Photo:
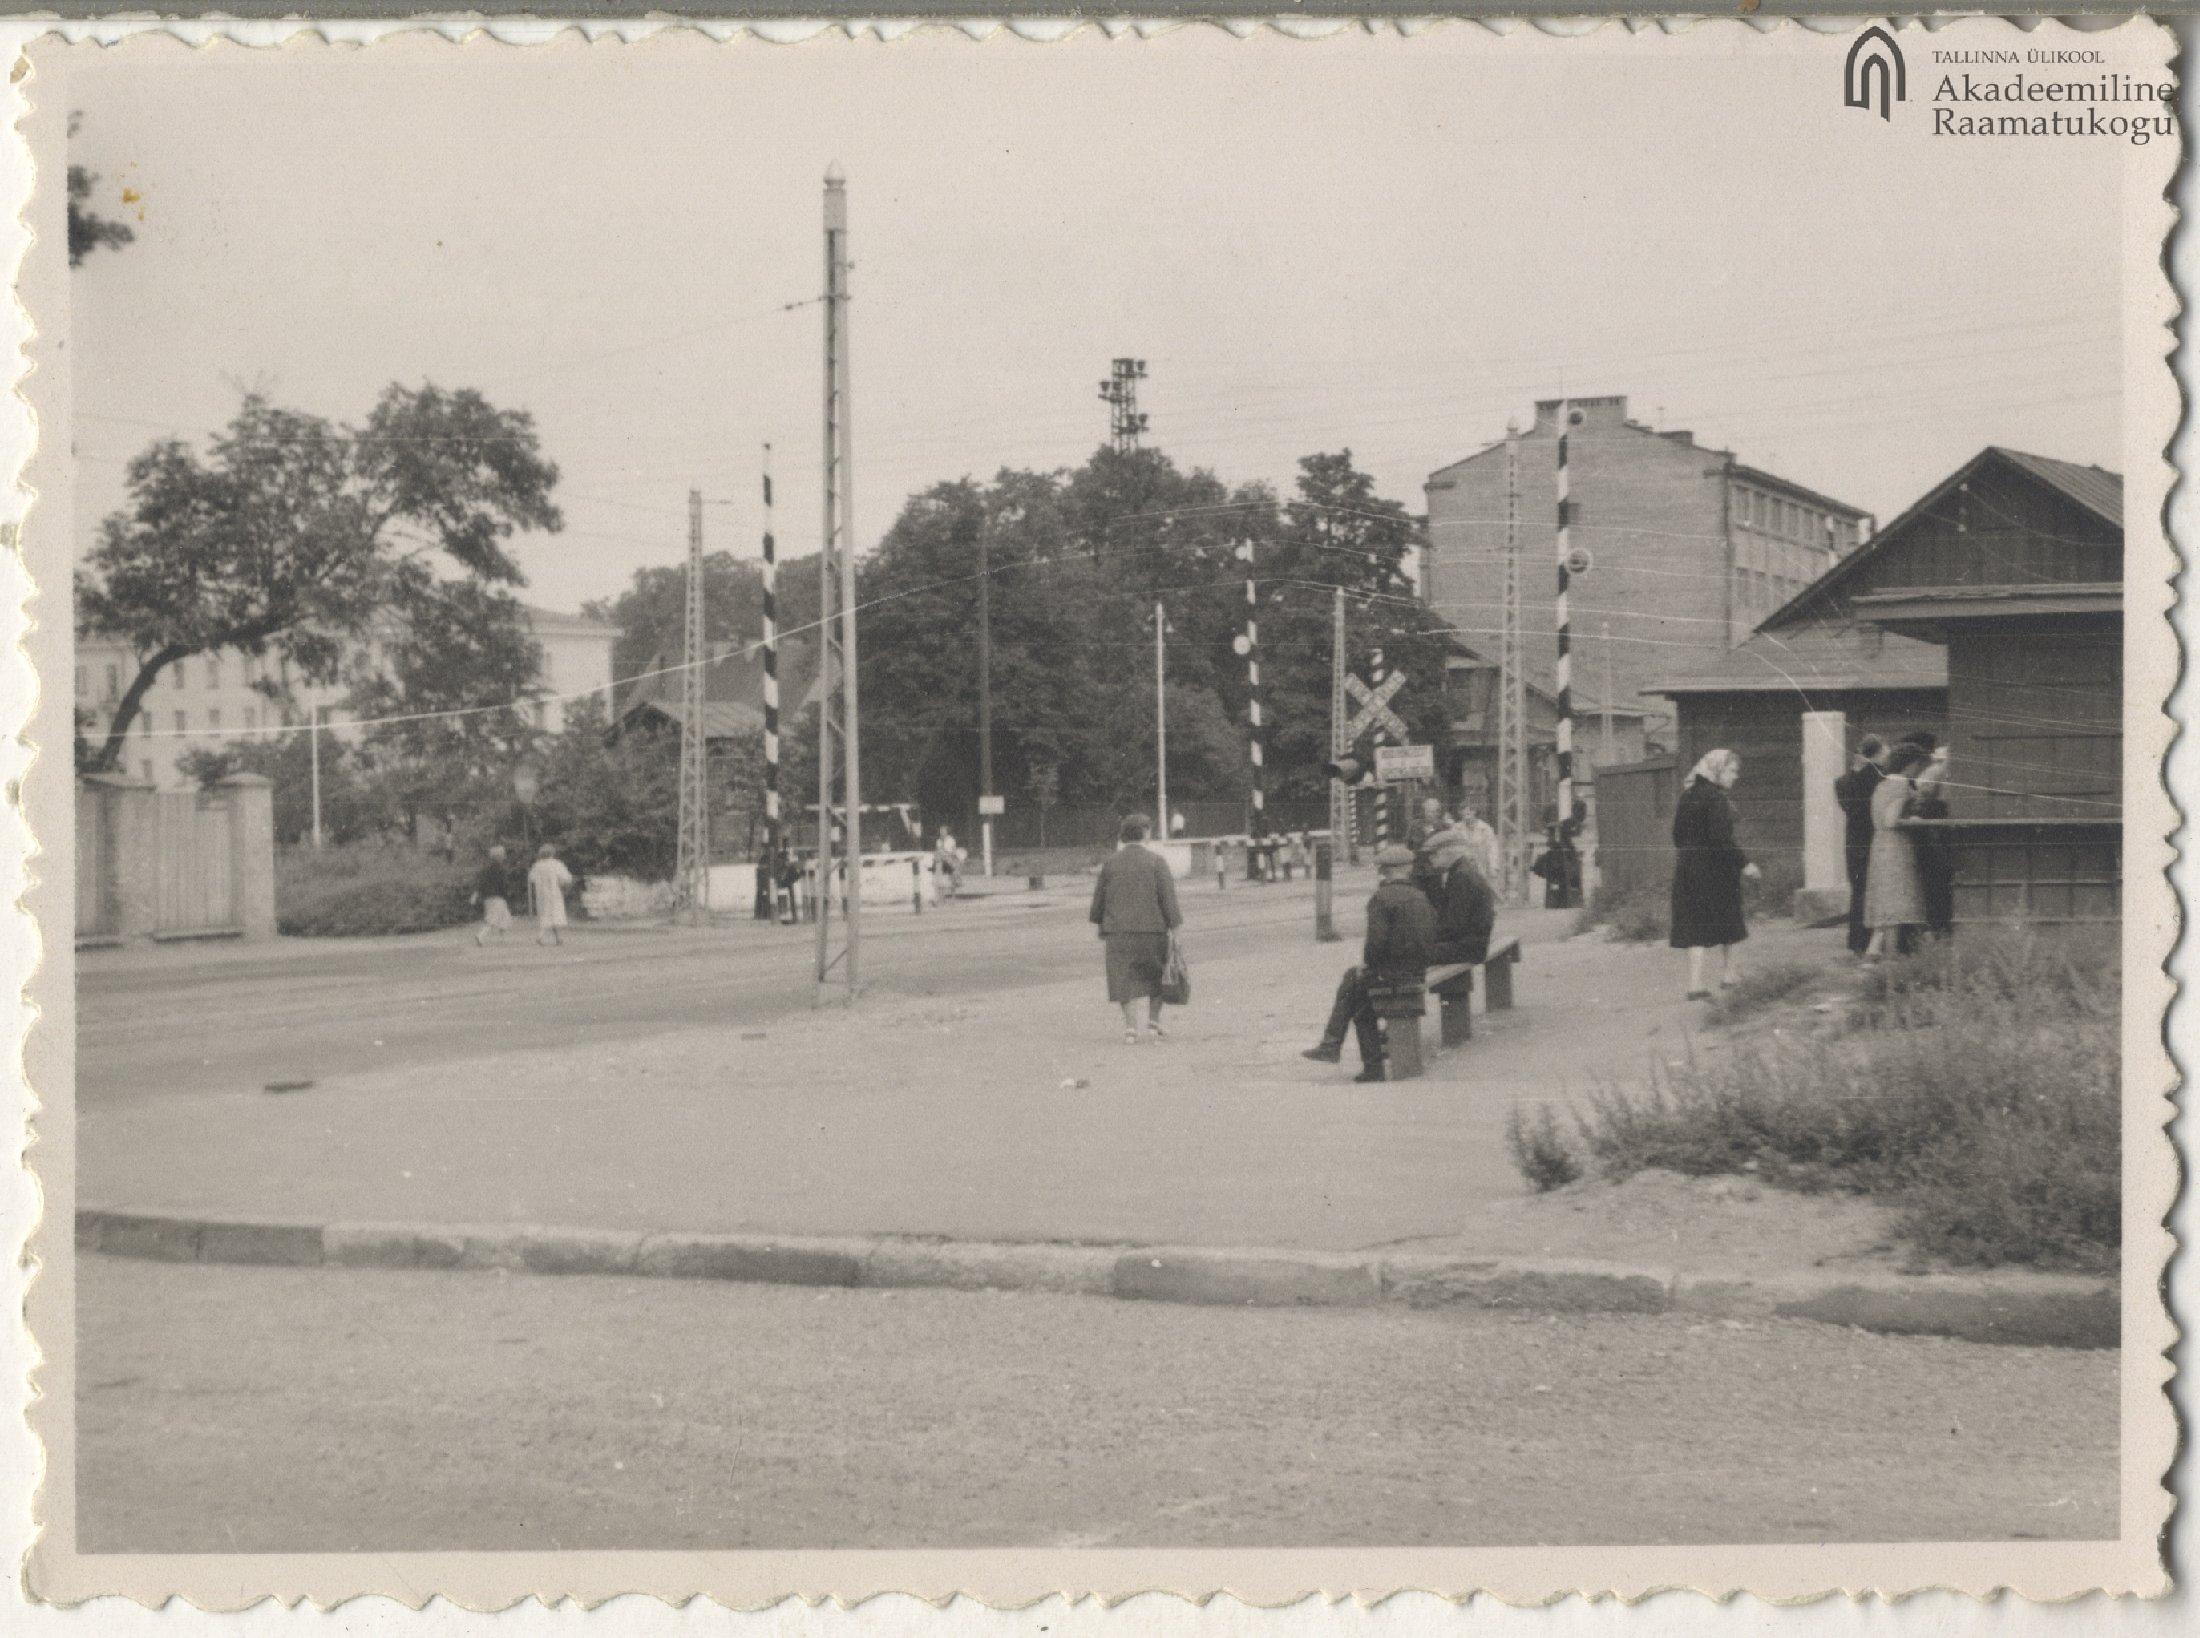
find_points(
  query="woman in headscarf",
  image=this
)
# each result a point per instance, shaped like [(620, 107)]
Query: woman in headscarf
[(1894, 889), (1708, 869)]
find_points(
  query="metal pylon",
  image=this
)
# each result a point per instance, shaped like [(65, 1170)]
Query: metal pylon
[(839, 857), (691, 874), (1512, 697)]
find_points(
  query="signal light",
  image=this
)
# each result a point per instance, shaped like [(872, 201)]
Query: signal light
[(1349, 768)]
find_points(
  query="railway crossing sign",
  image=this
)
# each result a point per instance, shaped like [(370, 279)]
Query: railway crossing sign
[(1374, 708)]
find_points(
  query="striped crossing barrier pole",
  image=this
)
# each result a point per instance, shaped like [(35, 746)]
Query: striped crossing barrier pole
[(1249, 646), (1376, 671), (773, 839), (1563, 676)]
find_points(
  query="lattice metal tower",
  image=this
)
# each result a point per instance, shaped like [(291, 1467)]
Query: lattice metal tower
[(1512, 696), (1344, 839), (1120, 393), (691, 874), (839, 858)]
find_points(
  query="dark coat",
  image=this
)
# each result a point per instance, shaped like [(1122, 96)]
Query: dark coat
[(1135, 894), (1401, 931), (495, 881), (1465, 911), (1853, 790), (1936, 865), (1707, 870)]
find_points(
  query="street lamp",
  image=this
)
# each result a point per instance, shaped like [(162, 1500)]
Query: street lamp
[(527, 785)]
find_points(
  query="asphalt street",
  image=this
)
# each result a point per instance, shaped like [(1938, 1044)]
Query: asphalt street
[(315, 1410), (167, 1023)]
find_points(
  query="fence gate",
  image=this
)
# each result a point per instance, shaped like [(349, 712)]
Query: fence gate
[(196, 894), (96, 911)]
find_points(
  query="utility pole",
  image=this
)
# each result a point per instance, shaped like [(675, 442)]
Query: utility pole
[(1120, 393), (768, 891), (1248, 644), (985, 690), (1161, 720), (691, 875), (1563, 675), (1512, 694), (313, 740), (837, 704), (1343, 832)]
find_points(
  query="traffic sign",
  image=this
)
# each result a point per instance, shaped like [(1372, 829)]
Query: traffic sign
[(1399, 764), (1375, 711)]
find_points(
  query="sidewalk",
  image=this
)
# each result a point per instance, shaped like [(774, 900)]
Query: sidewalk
[(1018, 1116)]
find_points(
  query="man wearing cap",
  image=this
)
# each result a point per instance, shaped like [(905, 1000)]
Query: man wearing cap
[(1401, 930)]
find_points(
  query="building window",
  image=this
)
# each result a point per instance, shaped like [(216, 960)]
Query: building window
[(214, 718), (183, 721), (213, 671), (114, 680)]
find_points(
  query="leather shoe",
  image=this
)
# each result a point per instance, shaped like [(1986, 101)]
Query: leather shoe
[(1325, 1053), (1373, 1072)]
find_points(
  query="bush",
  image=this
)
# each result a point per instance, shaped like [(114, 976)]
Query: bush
[(1540, 1150), (1980, 1096), (356, 892), (1762, 987), (1637, 913)]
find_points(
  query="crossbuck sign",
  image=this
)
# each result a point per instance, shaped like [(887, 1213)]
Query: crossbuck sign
[(1374, 708)]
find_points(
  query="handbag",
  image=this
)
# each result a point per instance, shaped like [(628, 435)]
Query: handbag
[(1176, 978)]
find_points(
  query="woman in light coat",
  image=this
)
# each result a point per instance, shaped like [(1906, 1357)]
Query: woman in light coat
[(1894, 891), (547, 880)]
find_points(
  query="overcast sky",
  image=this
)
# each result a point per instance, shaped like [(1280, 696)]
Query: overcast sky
[(1381, 244)]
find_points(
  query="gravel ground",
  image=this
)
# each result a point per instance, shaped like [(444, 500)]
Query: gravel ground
[(315, 1410)]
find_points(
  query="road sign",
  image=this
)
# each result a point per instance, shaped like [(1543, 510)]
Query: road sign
[(1397, 764), (992, 807), (1375, 711)]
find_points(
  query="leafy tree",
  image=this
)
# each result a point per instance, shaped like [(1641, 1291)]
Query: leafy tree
[(88, 230), (352, 807), (296, 535)]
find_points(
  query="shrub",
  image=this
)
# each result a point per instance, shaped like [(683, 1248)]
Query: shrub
[(355, 892), (1637, 912), (1980, 1097), (1540, 1150)]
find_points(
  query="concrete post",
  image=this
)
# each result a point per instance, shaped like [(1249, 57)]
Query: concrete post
[(1825, 868), (251, 801)]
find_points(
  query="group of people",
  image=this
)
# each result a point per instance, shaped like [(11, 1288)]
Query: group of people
[(544, 887), (1901, 877), (1434, 904)]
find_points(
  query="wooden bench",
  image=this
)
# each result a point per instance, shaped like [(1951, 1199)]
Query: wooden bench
[(1402, 1006)]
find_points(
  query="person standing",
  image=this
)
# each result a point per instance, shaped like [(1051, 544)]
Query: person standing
[(1134, 907), (1401, 934), (1894, 892), (1450, 877), (1853, 790), (1936, 862), (1709, 868), (1484, 842), (492, 891), (547, 881)]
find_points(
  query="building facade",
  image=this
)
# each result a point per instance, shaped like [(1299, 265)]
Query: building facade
[(205, 702), (1690, 549)]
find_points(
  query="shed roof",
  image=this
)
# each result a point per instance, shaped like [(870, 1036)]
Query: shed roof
[(1824, 658)]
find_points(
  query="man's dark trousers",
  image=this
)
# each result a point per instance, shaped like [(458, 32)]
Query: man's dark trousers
[(1860, 936), (1355, 1008)]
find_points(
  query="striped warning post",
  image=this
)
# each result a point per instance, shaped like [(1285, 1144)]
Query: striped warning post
[(1563, 676), (771, 669), (1249, 646)]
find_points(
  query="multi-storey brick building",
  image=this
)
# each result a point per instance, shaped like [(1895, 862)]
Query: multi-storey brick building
[(1690, 549), (206, 701)]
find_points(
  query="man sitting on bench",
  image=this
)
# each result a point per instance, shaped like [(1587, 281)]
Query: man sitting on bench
[(1401, 931), (1449, 875)]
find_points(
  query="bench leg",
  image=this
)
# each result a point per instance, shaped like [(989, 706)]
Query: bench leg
[(1402, 1049), (1456, 1006), (1500, 981)]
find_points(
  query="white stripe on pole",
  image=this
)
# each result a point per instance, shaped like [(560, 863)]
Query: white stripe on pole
[(1563, 677)]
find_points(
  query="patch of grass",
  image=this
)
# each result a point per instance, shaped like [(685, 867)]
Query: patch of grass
[(1763, 987), (1540, 1150), (364, 891), (1978, 1093)]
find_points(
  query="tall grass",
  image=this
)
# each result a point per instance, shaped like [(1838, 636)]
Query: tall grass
[(1973, 1086), (367, 889)]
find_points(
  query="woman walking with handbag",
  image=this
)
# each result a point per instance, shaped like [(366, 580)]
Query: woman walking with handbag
[(1134, 906)]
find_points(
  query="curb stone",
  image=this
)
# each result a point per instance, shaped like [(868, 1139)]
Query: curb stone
[(2039, 1310)]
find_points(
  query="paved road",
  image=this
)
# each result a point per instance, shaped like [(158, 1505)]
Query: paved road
[(316, 1410), (172, 1022)]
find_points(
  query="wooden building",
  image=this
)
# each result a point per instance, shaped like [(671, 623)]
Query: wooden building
[(2012, 567)]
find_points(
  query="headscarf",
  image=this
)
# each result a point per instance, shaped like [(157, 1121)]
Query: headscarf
[(1711, 765)]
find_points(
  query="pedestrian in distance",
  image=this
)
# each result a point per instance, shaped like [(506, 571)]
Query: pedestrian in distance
[(1484, 842), (1134, 907), (1709, 868), (1401, 936), (547, 881), (947, 859), (1894, 891), (1853, 790), (493, 892)]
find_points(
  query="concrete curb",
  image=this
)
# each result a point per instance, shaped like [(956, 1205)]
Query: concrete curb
[(2040, 1310)]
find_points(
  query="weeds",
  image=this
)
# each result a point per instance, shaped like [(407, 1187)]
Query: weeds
[(1762, 987), (1540, 1150), (1636, 913)]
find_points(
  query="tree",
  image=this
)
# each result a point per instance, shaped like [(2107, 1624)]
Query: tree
[(295, 535), (351, 808), (88, 230)]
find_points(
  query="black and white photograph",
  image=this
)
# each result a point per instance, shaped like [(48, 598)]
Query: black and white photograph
[(1185, 808)]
